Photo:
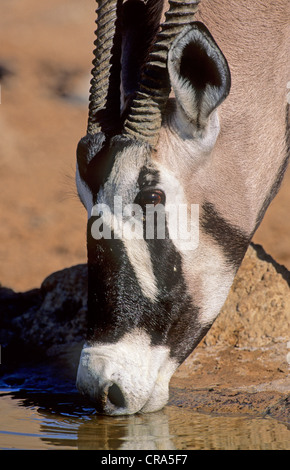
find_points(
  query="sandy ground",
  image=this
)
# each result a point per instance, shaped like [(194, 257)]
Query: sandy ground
[(45, 62)]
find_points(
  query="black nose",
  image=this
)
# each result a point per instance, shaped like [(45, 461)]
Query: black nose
[(109, 399)]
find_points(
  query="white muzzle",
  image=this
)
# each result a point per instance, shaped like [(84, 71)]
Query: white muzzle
[(126, 377)]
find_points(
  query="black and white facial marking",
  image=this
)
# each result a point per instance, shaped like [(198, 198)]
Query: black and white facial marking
[(150, 300), (232, 240), (137, 294)]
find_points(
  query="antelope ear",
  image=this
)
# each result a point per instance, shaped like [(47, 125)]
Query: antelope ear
[(199, 73)]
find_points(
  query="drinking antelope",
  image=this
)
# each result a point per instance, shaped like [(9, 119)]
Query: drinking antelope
[(152, 299)]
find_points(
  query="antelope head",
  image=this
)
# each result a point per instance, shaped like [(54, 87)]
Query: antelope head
[(152, 294)]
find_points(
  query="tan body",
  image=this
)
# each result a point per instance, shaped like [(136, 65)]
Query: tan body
[(251, 147)]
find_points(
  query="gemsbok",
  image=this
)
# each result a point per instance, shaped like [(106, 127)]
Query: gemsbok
[(186, 146)]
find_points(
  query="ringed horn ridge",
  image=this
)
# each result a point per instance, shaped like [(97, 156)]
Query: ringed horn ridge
[(145, 116), (103, 67)]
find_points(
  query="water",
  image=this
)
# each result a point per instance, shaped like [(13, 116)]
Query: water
[(39, 420)]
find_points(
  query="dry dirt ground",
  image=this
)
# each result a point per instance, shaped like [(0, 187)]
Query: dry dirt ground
[(45, 62)]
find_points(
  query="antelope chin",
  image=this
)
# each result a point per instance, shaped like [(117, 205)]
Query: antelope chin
[(127, 377)]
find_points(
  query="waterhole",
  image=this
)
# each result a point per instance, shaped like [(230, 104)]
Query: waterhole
[(38, 420)]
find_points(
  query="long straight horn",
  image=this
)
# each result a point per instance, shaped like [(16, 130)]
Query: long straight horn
[(144, 120), (104, 67)]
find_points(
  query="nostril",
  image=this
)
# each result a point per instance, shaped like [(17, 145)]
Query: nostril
[(116, 397), (109, 399)]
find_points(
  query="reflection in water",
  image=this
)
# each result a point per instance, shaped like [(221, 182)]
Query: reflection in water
[(64, 421), (150, 431)]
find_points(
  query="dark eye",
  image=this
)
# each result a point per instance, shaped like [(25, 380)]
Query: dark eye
[(150, 196)]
